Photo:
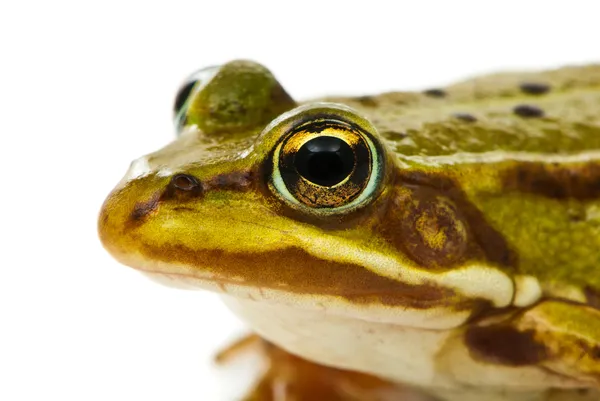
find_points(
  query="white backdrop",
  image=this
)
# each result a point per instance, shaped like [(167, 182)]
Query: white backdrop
[(87, 87)]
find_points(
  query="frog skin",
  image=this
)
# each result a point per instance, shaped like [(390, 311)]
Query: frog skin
[(446, 240)]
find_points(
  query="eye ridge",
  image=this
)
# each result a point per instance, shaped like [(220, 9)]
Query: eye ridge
[(316, 125)]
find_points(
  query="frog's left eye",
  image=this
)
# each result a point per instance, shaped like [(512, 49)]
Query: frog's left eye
[(182, 95), (328, 161)]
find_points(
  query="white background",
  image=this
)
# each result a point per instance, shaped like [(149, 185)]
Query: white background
[(86, 88)]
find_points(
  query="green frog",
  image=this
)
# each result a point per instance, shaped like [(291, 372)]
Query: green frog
[(442, 244)]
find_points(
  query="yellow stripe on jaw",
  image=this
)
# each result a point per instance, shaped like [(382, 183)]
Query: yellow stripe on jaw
[(472, 280), (434, 318)]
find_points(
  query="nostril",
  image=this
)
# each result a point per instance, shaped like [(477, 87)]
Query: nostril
[(185, 182), (182, 187)]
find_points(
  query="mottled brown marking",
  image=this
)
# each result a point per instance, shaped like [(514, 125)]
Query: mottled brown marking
[(144, 208), (294, 270), (465, 117), (484, 242), (504, 345), (367, 101), (427, 227), (556, 181), (528, 111), (435, 93), (534, 88)]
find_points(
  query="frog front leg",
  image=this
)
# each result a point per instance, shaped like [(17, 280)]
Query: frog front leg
[(559, 336), (291, 378)]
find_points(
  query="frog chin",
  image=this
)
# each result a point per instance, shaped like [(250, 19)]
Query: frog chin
[(430, 357), (422, 347)]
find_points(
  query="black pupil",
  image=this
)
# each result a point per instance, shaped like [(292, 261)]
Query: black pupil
[(182, 95), (325, 160)]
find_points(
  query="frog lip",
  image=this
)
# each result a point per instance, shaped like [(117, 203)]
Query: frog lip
[(290, 269), (294, 266), (436, 317)]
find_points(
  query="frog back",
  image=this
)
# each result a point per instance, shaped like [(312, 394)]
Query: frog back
[(520, 155)]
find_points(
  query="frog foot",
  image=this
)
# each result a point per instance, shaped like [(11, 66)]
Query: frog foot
[(291, 378)]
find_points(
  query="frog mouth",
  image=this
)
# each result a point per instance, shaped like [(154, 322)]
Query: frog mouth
[(436, 315), (294, 271)]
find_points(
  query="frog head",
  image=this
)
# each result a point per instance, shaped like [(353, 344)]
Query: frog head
[(301, 202), (308, 207)]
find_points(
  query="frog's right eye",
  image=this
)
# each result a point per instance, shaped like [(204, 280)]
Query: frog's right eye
[(238, 97), (186, 91), (328, 160)]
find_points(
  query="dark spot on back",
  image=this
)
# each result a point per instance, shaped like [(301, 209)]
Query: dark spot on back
[(534, 88), (394, 135), (504, 345), (435, 92), (367, 101), (528, 111), (466, 117), (557, 181)]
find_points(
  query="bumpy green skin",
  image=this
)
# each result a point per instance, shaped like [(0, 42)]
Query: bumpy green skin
[(419, 125), (551, 243), (556, 240), (552, 223)]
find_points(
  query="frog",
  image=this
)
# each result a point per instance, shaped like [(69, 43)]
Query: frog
[(441, 244)]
